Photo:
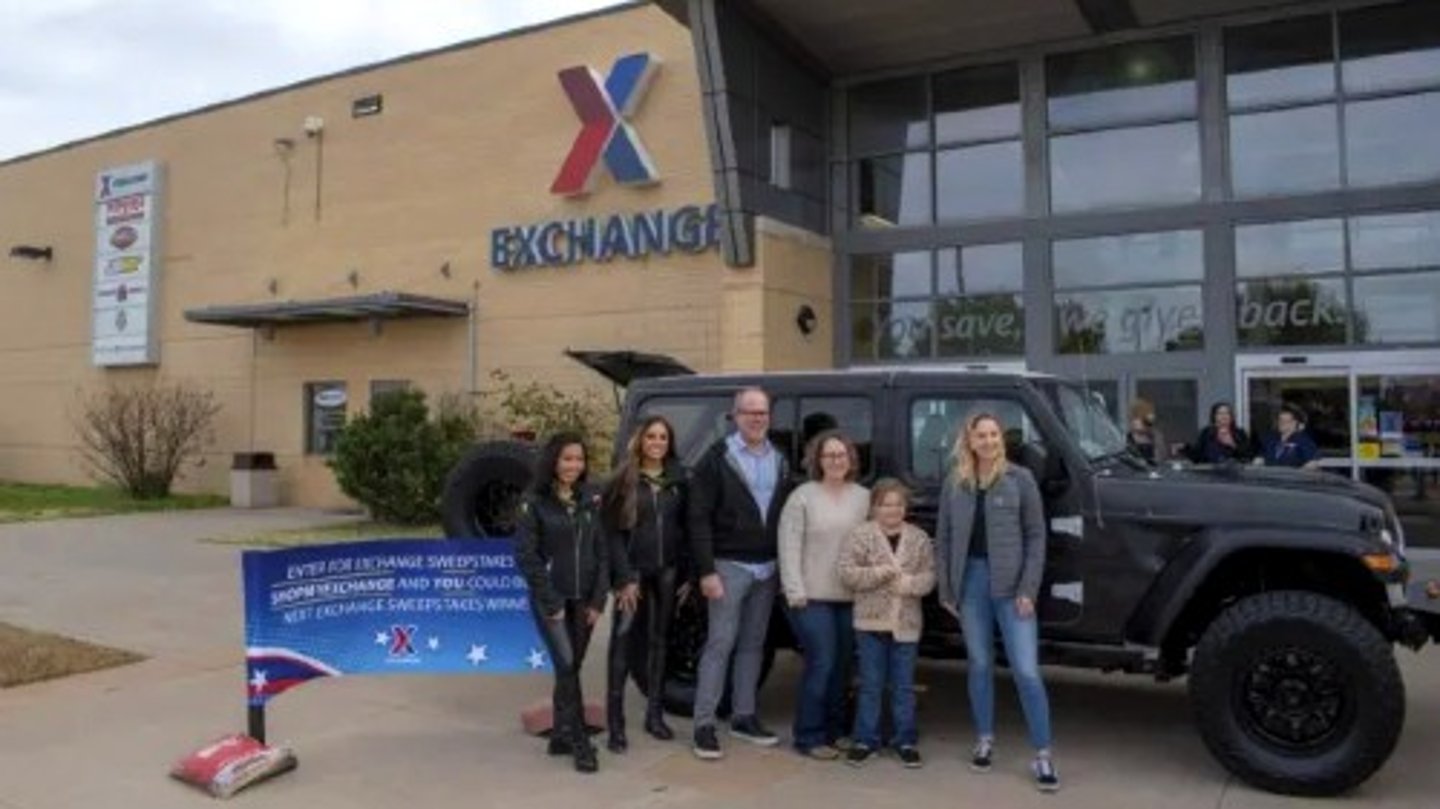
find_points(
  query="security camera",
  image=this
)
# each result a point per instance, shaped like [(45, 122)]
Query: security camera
[(313, 125)]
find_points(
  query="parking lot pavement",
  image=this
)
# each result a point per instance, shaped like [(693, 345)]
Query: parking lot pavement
[(107, 738)]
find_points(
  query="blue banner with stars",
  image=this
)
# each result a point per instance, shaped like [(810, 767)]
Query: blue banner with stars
[(395, 606)]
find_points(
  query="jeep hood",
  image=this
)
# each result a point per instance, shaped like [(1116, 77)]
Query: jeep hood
[(1234, 495)]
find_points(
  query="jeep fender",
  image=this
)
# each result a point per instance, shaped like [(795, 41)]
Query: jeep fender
[(1187, 571)]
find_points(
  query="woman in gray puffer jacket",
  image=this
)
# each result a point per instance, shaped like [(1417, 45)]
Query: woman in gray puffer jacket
[(990, 538)]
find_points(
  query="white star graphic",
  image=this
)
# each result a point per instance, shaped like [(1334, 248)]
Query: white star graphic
[(382, 639), (433, 643), (259, 681), (536, 659), (478, 655)]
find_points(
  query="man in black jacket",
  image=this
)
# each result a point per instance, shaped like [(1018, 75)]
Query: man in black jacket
[(736, 493)]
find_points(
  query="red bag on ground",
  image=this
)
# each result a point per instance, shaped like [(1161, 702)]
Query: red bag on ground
[(231, 763)]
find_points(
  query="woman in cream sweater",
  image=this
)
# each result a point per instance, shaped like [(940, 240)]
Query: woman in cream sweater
[(814, 524)]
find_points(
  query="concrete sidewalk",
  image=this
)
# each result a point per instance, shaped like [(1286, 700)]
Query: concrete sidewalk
[(145, 583)]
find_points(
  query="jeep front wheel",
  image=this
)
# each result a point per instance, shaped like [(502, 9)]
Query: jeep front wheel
[(1297, 693)]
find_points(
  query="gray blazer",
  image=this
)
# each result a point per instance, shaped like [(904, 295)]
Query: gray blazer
[(1014, 531)]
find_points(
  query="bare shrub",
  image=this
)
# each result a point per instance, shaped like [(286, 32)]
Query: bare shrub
[(139, 436)]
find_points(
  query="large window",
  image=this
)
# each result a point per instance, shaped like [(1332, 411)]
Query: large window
[(935, 423), (955, 302), (1122, 126), (1295, 287), (1139, 292), (979, 167), (1285, 133), (943, 147)]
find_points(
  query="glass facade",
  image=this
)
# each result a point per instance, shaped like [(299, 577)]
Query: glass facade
[(1164, 216), (1308, 108)]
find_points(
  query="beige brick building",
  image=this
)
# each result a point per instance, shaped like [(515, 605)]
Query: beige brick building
[(258, 217)]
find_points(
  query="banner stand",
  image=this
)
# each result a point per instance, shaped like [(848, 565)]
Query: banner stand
[(256, 723)]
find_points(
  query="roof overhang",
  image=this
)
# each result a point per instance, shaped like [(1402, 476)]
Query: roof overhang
[(853, 37), (373, 307)]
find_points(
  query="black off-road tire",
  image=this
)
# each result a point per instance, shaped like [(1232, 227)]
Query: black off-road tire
[(482, 491), (1297, 693), (682, 659)]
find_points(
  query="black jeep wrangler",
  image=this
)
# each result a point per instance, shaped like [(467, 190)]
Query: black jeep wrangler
[(1280, 593)]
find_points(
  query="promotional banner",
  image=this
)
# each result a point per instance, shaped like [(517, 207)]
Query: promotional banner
[(127, 221), (402, 606)]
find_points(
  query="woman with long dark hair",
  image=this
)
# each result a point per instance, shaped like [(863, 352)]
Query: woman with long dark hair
[(644, 510), (562, 554), (990, 535), (1222, 439)]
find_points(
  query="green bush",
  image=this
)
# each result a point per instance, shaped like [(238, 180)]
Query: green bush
[(393, 460)]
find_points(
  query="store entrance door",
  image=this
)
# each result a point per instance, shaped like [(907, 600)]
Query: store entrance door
[(1375, 417)]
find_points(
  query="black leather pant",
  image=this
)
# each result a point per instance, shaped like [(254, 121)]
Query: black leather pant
[(566, 640), (659, 589)]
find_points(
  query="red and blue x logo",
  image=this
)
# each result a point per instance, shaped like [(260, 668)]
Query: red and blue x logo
[(604, 110), (402, 642)]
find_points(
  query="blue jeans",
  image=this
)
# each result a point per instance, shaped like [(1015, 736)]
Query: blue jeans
[(827, 638), (886, 662), (979, 613)]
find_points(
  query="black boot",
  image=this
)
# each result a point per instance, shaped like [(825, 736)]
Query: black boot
[(585, 760), (559, 745), (655, 722), (615, 724)]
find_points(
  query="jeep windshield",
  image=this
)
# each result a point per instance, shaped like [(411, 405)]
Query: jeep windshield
[(1085, 416)]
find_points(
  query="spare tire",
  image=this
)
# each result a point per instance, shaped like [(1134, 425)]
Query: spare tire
[(482, 491)]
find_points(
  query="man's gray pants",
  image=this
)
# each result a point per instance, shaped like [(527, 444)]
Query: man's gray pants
[(738, 623)]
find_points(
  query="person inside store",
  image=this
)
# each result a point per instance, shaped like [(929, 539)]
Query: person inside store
[(1143, 436), (990, 536), (644, 515), (814, 525), (1291, 444), (562, 553), (1222, 440)]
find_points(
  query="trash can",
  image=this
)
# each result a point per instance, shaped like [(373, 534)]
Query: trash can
[(254, 482)]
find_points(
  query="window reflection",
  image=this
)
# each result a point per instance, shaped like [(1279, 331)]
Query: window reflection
[(980, 182), (894, 190), (1291, 311), (1129, 321), (1393, 47), (885, 275), (1394, 241), (1125, 167), (983, 325), (1123, 84), (903, 330), (1398, 309), (1290, 248), (979, 103), (889, 116), (1282, 62), (1393, 140), (1285, 152), (1133, 258), (980, 268)]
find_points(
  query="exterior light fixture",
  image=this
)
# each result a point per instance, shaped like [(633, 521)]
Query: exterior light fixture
[(32, 252), (806, 320)]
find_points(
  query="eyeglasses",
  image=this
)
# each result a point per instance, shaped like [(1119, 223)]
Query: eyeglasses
[(754, 413), (835, 456)]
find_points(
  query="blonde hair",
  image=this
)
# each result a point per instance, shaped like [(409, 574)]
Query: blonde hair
[(965, 464)]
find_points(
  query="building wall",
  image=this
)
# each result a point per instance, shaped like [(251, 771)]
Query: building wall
[(469, 140)]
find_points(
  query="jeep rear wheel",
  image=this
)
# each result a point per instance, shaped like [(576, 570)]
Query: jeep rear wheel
[(1297, 693), (482, 492)]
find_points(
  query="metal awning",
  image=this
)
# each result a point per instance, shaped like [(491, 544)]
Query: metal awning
[(378, 306)]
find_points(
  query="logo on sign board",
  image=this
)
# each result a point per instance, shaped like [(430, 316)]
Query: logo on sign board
[(606, 134), (330, 397), (124, 265), (123, 237)]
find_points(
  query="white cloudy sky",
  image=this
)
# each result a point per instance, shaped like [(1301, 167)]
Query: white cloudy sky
[(74, 68)]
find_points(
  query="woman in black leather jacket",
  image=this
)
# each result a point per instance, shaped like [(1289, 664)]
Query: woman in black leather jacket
[(644, 509), (563, 556)]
